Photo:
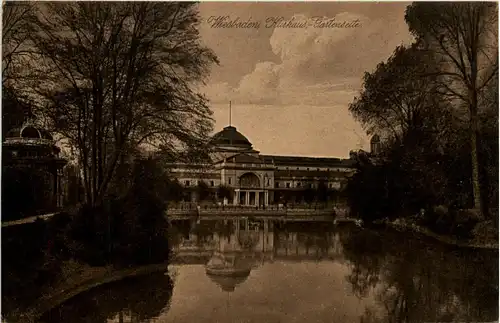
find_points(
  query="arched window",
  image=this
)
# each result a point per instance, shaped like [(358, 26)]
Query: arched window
[(250, 180)]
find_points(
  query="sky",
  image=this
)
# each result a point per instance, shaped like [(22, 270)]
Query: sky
[(291, 73)]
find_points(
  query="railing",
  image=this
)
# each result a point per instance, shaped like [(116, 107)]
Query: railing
[(212, 206), (262, 210), (30, 219), (29, 141)]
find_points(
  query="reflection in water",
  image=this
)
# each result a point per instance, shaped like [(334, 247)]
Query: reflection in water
[(137, 299), (300, 271), (415, 281)]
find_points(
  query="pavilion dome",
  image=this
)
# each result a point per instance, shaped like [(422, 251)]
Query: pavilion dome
[(228, 270), (227, 283), (231, 138), (28, 131)]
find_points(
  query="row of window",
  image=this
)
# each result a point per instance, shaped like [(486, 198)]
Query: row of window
[(212, 183), (276, 184), (30, 153), (307, 168), (188, 183), (299, 184)]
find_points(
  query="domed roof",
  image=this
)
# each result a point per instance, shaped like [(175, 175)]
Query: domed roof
[(228, 270), (29, 131), (230, 137), (228, 283)]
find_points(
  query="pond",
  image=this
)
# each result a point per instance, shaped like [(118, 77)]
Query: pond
[(300, 272)]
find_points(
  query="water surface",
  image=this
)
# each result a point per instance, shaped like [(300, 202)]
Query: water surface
[(300, 272)]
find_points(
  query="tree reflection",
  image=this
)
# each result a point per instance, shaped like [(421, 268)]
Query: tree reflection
[(315, 239), (224, 228), (138, 299), (413, 281), (363, 250)]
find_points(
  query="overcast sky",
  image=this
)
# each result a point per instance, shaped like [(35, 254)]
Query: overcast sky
[(290, 87)]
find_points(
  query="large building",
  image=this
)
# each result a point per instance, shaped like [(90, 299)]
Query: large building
[(256, 180)]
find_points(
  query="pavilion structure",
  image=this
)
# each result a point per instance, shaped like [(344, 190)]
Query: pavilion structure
[(29, 152)]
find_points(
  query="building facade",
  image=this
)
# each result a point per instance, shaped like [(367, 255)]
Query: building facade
[(259, 180)]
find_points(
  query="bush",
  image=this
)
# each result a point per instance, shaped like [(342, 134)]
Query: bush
[(485, 232), (465, 221), (127, 230), (458, 223), (28, 263), (225, 192)]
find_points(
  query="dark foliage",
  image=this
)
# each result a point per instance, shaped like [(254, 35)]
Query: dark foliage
[(322, 192), (27, 262), (309, 195), (203, 191), (463, 36), (74, 190), (14, 111), (175, 191), (109, 88), (225, 228), (225, 192), (127, 230), (428, 148)]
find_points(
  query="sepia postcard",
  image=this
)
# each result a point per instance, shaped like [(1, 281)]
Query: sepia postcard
[(249, 162)]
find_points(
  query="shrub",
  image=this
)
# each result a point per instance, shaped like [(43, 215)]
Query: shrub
[(225, 192), (465, 221), (203, 191), (28, 265), (485, 232), (126, 230)]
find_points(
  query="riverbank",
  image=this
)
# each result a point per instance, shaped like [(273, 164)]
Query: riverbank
[(401, 225), (81, 279)]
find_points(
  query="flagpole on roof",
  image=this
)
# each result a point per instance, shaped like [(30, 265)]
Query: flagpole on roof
[(231, 137)]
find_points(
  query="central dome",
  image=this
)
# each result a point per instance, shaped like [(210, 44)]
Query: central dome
[(230, 137)]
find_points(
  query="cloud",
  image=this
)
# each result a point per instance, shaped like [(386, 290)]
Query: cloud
[(262, 85), (318, 66)]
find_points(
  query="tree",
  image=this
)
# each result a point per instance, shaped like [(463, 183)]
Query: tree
[(423, 151), (175, 191), (309, 195), (131, 227), (114, 76), (18, 20), (489, 145), (322, 192), (398, 99), (464, 37), (202, 190), (224, 192), (17, 25)]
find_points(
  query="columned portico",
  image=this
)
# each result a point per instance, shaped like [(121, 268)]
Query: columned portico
[(251, 197)]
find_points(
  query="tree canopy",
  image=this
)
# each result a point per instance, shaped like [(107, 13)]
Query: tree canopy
[(114, 75), (463, 36)]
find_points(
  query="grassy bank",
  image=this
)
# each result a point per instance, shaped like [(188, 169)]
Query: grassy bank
[(408, 225), (77, 278)]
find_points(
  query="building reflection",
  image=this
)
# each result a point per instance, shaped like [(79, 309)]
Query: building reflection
[(260, 240)]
